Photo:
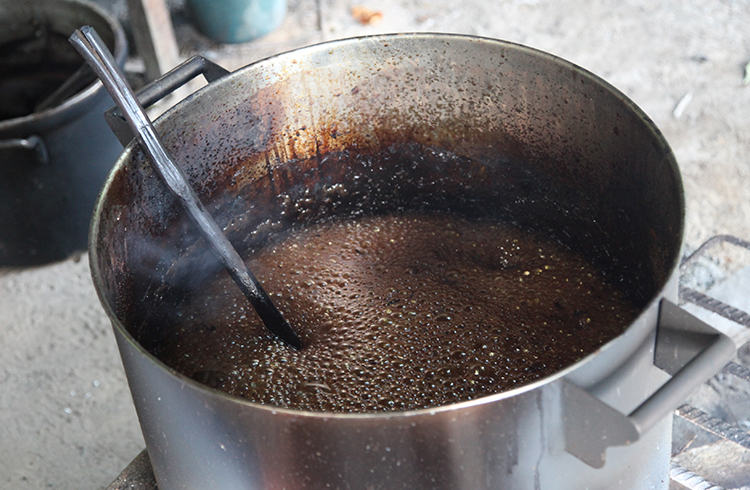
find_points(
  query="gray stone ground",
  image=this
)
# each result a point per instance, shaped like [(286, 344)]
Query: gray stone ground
[(66, 418)]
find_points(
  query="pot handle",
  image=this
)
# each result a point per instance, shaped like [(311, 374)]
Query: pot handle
[(32, 146), (687, 348), (161, 87)]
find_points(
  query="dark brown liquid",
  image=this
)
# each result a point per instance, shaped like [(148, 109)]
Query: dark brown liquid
[(400, 312)]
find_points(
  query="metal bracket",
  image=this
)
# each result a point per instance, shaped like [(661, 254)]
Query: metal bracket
[(591, 426), (680, 338)]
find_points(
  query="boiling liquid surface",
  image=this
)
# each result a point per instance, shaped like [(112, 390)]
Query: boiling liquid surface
[(400, 312)]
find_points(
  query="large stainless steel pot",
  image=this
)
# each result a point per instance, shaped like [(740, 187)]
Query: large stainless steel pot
[(542, 143), (52, 162)]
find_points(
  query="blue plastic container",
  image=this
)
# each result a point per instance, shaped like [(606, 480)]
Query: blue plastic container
[(237, 21)]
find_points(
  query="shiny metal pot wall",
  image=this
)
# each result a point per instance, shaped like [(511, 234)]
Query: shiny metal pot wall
[(52, 162), (542, 144)]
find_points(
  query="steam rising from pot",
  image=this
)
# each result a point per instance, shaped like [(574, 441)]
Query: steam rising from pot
[(93, 49)]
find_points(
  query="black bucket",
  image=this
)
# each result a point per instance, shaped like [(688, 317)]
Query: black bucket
[(53, 160)]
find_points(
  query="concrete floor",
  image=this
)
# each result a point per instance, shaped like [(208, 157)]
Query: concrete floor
[(66, 417)]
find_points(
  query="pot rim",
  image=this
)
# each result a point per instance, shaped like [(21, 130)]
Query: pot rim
[(669, 159), (71, 107)]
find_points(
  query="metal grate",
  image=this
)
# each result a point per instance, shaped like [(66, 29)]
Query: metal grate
[(708, 303), (708, 424), (690, 480), (714, 425)]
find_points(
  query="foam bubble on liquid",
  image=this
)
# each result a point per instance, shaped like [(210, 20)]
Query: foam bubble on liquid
[(403, 312)]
